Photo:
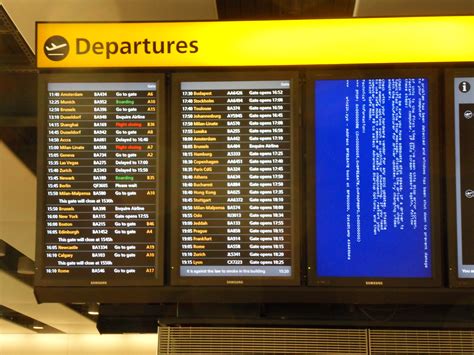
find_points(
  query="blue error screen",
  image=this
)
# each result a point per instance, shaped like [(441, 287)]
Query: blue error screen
[(372, 178)]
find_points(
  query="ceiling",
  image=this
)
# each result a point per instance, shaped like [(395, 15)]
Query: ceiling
[(18, 76)]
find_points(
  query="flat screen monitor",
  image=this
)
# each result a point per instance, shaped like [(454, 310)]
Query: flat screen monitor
[(372, 189), (100, 180), (235, 149), (460, 175)]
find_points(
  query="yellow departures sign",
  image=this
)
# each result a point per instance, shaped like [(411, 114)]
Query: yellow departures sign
[(256, 43)]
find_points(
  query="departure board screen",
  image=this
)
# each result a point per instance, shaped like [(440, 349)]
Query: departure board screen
[(372, 181), (101, 205), (463, 93), (234, 219)]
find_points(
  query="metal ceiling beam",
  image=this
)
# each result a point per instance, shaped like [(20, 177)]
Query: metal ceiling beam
[(10, 28)]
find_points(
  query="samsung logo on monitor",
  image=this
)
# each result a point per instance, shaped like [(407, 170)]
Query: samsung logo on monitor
[(373, 283), (98, 283), (234, 282)]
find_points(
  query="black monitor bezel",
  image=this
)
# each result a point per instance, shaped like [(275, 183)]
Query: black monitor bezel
[(91, 76), (435, 178), (450, 171), (175, 278)]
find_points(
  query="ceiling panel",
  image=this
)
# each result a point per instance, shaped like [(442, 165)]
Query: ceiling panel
[(7, 327), (23, 323), (377, 8), (104, 10), (18, 203), (19, 297), (283, 9)]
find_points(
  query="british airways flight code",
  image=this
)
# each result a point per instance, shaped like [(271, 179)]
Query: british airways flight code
[(235, 214), (102, 183)]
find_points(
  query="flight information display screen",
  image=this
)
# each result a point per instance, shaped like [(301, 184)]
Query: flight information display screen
[(234, 218), (372, 215), (101, 184), (464, 174)]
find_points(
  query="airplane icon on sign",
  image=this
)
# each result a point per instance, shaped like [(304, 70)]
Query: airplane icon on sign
[(55, 47)]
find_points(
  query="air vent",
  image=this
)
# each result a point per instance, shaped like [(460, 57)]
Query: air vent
[(214, 340), (421, 342)]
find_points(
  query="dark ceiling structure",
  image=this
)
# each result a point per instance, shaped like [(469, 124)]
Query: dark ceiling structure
[(283, 9), (18, 78)]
